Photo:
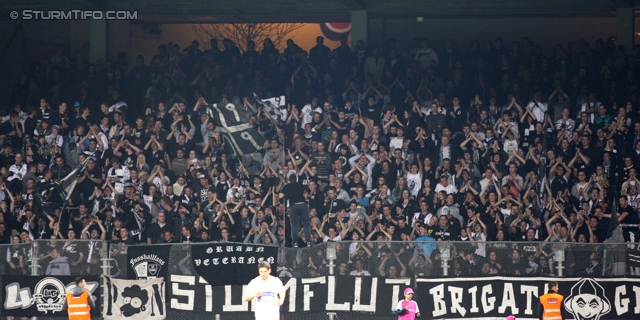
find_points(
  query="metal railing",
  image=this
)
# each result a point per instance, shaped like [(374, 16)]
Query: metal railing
[(402, 260), (411, 258)]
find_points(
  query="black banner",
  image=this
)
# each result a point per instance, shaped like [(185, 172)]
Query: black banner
[(147, 262), (499, 297), (321, 294), (43, 296), (234, 263)]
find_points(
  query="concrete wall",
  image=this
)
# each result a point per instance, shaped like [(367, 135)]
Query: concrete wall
[(545, 31)]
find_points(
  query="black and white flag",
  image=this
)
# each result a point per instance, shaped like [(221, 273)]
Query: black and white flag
[(134, 299), (233, 123), (276, 106)]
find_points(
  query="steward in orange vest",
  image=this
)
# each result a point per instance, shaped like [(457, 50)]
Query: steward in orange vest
[(79, 301), (551, 303)]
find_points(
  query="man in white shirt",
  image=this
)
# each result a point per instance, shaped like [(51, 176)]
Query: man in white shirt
[(358, 272), (365, 162), (590, 107), (444, 185), (537, 107), (268, 291), (425, 55), (396, 142), (309, 110), (506, 122), (19, 168), (488, 180), (118, 175)]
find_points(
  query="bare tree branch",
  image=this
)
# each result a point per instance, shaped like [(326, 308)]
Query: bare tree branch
[(241, 33)]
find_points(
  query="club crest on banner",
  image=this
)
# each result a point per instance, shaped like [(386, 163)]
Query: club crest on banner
[(49, 295), (147, 266)]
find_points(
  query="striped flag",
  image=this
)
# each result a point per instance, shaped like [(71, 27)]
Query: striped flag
[(276, 106)]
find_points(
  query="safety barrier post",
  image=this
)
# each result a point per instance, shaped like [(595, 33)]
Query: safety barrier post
[(560, 258), (34, 259), (445, 256)]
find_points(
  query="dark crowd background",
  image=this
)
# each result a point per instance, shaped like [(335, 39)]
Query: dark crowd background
[(483, 142)]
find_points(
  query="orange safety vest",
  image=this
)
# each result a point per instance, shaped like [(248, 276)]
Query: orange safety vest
[(78, 307), (552, 305)]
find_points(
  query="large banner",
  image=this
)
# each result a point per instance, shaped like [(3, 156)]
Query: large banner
[(147, 262), (134, 299), (234, 263), (499, 297), (42, 296), (233, 123), (320, 294)]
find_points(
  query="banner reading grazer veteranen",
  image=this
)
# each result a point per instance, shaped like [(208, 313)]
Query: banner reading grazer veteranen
[(147, 262), (498, 297), (232, 263), (43, 296)]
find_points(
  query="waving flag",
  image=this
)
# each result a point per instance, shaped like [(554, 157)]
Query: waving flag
[(276, 106), (233, 123)]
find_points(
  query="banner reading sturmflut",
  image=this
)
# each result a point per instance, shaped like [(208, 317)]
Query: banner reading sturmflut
[(234, 263), (134, 299), (187, 295), (42, 296)]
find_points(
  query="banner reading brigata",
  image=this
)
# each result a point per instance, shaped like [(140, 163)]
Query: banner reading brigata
[(233, 263), (498, 297), (40, 296)]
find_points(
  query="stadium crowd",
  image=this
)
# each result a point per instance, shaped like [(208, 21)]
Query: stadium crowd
[(498, 142)]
